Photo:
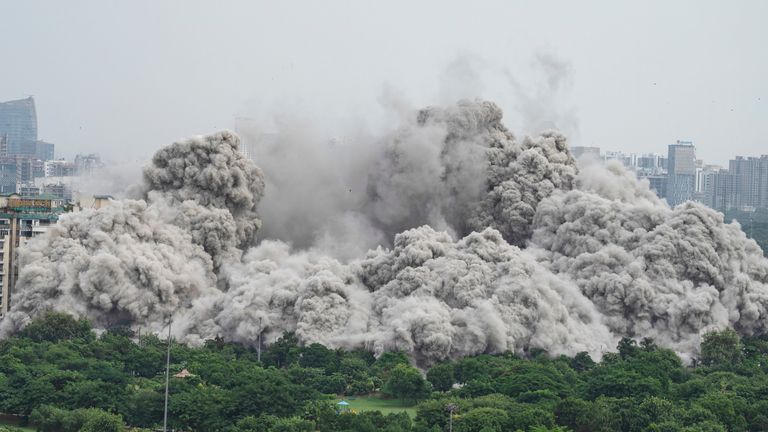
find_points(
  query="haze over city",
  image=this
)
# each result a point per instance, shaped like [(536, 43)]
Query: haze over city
[(383, 217), (123, 79)]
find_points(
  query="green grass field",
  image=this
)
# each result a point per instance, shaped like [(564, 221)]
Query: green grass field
[(377, 403)]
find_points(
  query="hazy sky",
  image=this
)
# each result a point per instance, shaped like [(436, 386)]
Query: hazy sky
[(123, 78)]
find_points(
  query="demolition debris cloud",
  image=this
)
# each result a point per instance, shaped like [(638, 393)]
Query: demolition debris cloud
[(479, 243)]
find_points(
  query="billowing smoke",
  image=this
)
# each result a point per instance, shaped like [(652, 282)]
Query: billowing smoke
[(649, 269), (460, 169), (497, 244), (439, 298), (212, 189), (456, 168), (115, 264)]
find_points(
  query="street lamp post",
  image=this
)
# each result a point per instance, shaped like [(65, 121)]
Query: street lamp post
[(450, 408), (167, 377)]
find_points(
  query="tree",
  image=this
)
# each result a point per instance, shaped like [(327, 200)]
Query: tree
[(318, 356), (627, 347), (386, 362), (284, 352), (52, 419), (102, 421), (441, 376), (479, 419), (721, 349), (292, 424), (582, 362), (648, 344), (56, 326), (406, 383)]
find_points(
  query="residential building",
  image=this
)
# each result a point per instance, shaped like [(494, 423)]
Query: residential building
[(721, 190), (21, 219), (751, 175)]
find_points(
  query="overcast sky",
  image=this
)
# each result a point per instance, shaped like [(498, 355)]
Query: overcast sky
[(123, 78)]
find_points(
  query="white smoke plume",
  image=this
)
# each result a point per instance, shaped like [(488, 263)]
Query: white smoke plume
[(498, 245)]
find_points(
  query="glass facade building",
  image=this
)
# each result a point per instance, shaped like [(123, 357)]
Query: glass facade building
[(18, 123)]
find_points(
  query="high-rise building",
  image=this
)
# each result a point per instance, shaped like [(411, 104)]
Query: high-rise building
[(752, 181), (681, 172), (720, 190), (18, 122), (703, 176)]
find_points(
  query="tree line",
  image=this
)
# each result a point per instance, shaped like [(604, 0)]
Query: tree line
[(59, 376)]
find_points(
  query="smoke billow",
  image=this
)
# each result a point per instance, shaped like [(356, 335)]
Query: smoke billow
[(118, 263), (212, 188), (649, 269), (497, 244), (438, 298)]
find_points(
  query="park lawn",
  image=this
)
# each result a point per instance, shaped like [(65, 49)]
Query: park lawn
[(377, 403)]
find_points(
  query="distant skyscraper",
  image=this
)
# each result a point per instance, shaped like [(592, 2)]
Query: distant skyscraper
[(720, 190), (681, 168), (751, 176), (18, 122)]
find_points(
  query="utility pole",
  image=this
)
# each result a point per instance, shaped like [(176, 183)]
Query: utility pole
[(167, 376)]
